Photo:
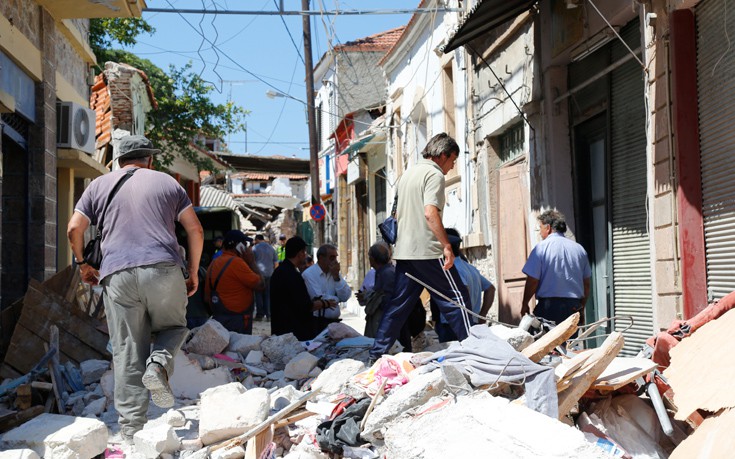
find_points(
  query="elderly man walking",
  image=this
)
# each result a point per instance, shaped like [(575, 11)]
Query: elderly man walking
[(142, 274), (558, 272), (422, 247)]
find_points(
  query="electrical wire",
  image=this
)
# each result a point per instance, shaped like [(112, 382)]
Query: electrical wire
[(280, 114), (288, 31)]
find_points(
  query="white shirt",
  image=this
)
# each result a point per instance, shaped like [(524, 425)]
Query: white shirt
[(321, 284)]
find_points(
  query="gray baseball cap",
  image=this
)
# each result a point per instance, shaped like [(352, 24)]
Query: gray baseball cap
[(134, 146)]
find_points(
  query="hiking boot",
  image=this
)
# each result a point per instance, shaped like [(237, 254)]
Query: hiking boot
[(156, 381)]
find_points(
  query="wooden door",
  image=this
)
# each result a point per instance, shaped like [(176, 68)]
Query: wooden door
[(513, 246)]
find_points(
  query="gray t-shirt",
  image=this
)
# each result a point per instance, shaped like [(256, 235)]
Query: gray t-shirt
[(421, 185), (265, 258), (139, 226)]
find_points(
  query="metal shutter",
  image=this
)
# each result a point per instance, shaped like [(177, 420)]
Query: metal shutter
[(716, 88), (630, 238)]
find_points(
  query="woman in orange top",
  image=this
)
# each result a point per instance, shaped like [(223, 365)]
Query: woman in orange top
[(230, 282)]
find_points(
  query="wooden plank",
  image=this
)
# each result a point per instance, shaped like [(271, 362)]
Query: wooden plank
[(8, 372), (701, 370), (53, 368), (20, 417), (259, 443), (295, 418), (622, 371), (557, 335), (64, 283), (583, 379), (712, 439), (23, 397), (25, 350), (569, 366)]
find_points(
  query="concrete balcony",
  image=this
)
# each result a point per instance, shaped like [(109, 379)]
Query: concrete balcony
[(74, 9)]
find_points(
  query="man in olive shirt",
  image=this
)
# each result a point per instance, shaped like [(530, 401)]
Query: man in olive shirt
[(422, 247)]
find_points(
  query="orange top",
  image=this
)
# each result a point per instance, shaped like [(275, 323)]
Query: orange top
[(235, 288)]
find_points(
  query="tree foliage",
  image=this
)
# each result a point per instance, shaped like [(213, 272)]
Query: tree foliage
[(185, 111)]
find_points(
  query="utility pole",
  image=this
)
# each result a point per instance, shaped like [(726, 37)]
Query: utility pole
[(311, 113)]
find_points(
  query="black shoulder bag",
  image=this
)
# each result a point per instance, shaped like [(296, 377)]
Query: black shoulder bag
[(389, 227), (216, 304), (93, 250)]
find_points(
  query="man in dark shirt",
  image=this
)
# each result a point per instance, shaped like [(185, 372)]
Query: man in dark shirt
[(291, 306)]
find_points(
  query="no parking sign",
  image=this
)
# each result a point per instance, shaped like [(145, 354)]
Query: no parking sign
[(317, 212)]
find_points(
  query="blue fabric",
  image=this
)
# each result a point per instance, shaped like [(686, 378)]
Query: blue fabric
[(560, 265), (265, 258), (369, 282), (406, 293), (557, 310), (476, 283)]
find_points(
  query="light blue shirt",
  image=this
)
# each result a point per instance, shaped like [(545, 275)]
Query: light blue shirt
[(321, 284), (560, 265), (265, 258), (475, 282)]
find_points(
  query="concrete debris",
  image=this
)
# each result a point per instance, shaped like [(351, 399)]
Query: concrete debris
[(209, 339), (230, 410), (300, 366), (284, 397), (242, 344), (254, 357), (189, 380), (92, 370), (518, 338), (56, 435), (281, 349), (154, 441), (331, 380), (95, 408), (19, 454), (175, 418)]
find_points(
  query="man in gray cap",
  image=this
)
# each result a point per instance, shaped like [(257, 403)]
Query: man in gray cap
[(142, 273)]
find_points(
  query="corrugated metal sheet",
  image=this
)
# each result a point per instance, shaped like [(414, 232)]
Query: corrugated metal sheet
[(630, 237), (716, 88), (210, 196)]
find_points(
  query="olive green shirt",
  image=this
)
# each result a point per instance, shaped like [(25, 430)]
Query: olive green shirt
[(422, 185)]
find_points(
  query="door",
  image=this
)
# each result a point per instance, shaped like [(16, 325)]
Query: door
[(592, 212), (512, 242)]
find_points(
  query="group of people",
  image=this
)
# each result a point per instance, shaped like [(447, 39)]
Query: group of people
[(146, 280)]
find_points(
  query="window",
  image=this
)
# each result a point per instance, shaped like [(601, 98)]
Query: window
[(512, 143)]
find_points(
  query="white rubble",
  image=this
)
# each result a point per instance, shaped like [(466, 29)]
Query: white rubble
[(209, 339), (92, 370), (107, 383), (281, 349), (284, 397), (300, 366), (59, 436), (242, 344), (519, 339), (175, 418), (95, 408), (237, 452), (23, 453), (488, 424), (254, 358), (331, 380), (154, 441), (230, 410), (414, 393), (189, 380)]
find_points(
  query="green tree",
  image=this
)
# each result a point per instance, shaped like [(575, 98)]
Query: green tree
[(185, 110)]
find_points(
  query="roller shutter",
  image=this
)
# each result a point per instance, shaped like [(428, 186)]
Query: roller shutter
[(716, 90), (630, 236)]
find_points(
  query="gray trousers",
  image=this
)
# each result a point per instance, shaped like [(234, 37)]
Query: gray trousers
[(140, 302)]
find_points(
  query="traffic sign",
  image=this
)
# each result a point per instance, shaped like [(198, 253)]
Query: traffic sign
[(317, 212)]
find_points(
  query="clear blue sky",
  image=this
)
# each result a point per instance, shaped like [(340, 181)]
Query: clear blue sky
[(261, 45)]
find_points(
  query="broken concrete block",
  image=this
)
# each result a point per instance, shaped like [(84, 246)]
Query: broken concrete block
[(156, 440), (92, 370), (254, 358), (242, 344), (95, 408), (256, 371), (188, 379), (75, 397), (518, 338), (316, 371), (236, 452), (107, 383), (276, 375), (249, 382), (300, 366), (19, 454), (59, 436), (331, 380), (284, 397), (193, 444), (230, 410), (338, 331), (486, 424), (281, 349), (414, 393), (175, 418), (211, 338)]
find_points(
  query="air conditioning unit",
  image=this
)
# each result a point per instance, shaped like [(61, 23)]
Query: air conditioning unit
[(75, 126)]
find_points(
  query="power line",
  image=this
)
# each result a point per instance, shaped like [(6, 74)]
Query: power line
[(302, 13), (288, 31)]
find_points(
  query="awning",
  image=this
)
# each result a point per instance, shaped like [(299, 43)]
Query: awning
[(485, 16), (358, 144)]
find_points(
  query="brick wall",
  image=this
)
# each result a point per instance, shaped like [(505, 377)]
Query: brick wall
[(119, 80)]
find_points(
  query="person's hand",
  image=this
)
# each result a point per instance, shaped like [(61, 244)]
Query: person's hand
[(248, 256), (334, 270), (525, 309), (89, 275), (360, 295), (192, 284), (448, 257)]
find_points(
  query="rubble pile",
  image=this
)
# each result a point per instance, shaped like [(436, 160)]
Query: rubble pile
[(499, 391)]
